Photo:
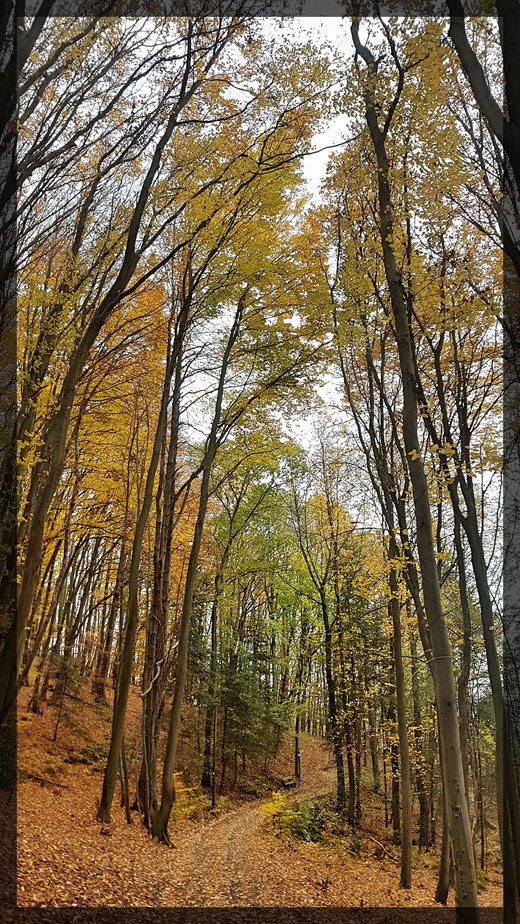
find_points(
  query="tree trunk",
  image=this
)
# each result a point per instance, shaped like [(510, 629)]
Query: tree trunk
[(331, 690), (297, 756), (357, 726), (156, 667), (464, 723), (420, 768), (443, 878), (445, 691), (223, 751), (103, 656), (160, 824), (127, 656), (406, 789), (210, 704), (347, 724), (374, 747)]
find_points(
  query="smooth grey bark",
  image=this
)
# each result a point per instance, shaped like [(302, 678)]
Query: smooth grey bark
[(504, 124), (468, 520)]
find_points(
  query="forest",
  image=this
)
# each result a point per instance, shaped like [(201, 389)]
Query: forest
[(256, 488)]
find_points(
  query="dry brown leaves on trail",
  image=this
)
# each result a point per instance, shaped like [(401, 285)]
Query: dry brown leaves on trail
[(66, 858)]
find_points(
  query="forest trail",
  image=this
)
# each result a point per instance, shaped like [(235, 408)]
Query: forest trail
[(221, 855), (232, 859), (228, 863)]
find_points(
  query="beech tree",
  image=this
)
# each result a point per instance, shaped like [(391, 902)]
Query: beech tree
[(196, 52)]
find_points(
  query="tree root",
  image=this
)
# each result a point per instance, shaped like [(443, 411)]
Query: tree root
[(163, 839)]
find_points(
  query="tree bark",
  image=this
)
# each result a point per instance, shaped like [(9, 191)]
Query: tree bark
[(331, 691), (406, 789), (160, 823), (206, 779), (127, 656), (420, 771), (445, 691)]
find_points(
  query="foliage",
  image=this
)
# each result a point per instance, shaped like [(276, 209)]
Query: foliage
[(311, 820), (186, 311)]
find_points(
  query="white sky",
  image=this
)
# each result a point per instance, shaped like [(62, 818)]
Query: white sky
[(334, 30)]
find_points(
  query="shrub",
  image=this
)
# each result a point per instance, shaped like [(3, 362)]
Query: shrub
[(308, 821), (354, 844), (481, 880), (189, 802), (93, 754), (312, 820), (278, 813)]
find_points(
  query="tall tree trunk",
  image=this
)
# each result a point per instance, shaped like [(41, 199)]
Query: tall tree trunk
[(374, 746), (102, 662), (331, 691), (394, 758), (103, 657), (127, 655), (420, 767), (396, 813), (223, 743), (358, 730), (160, 823), (406, 788), (206, 779), (347, 722), (46, 613), (464, 722), (470, 525), (300, 696), (443, 877), (444, 680), (155, 671)]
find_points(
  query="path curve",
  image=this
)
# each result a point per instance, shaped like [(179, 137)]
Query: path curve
[(227, 863)]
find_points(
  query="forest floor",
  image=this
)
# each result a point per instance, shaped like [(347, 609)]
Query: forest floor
[(229, 858)]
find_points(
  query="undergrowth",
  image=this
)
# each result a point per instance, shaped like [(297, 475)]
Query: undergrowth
[(311, 820), (190, 803)]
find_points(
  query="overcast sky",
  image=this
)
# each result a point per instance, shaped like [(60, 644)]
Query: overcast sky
[(334, 30)]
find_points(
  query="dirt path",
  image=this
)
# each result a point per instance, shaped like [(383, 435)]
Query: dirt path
[(227, 863), (222, 855)]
